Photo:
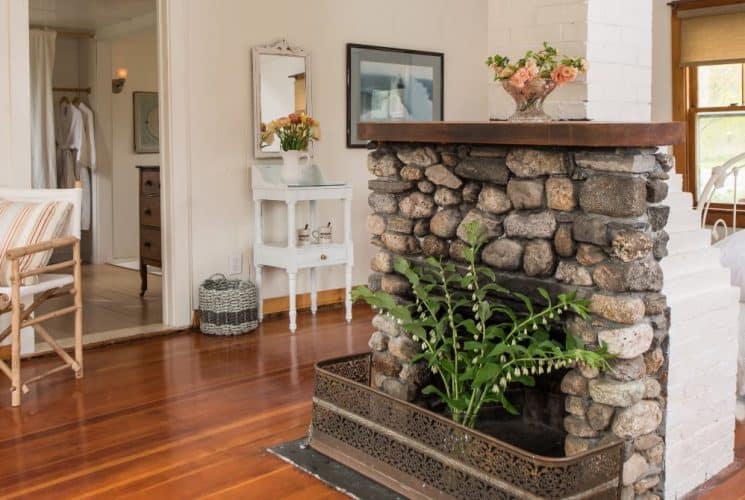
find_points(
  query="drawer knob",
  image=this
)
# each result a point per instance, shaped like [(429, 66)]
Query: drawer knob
[(147, 211), (148, 183), (146, 244), (323, 256)]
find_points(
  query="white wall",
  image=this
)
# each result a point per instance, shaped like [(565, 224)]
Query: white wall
[(662, 86), (139, 54), (221, 35), (15, 111)]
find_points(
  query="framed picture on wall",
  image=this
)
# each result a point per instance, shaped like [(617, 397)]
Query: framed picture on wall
[(386, 84), (145, 105)]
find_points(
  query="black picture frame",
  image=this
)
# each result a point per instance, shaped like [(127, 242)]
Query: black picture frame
[(391, 55)]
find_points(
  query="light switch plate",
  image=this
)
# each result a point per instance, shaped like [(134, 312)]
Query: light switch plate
[(235, 263)]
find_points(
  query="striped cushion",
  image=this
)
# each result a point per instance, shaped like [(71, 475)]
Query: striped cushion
[(26, 223)]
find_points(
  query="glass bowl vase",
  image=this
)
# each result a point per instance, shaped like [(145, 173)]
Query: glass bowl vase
[(529, 99)]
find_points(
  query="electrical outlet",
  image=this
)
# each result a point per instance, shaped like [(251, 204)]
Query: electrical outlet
[(235, 263)]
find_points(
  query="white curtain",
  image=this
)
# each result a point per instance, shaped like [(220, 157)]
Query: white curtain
[(43, 154)]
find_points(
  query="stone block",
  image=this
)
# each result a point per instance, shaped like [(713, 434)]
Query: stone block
[(537, 225), (614, 393), (449, 158), (615, 196), (653, 388), (633, 469), (373, 281), (563, 241), (386, 363), (589, 255), (524, 162), (387, 324), (426, 187), (375, 224), (599, 416), (583, 329), (578, 426), (422, 156), (574, 445), (445, 223), (446, 197), (411, 173), (382, 262), (403, 348), (494, 200), (457, 251), (442, 176), (640, 418), (658, 216), (538, 258), (421, 227), (647, 441), (492, 226), (645, 484), (656, 190), (503, 254), (389, 186), (575, 384), (399, 389), (573, 274), (628, 245), (395, 284), (417, 206), (471, 191), (384, 203), (383, 164), (400, 243), (659, 248), (628, 309), (492, 170), (627, 342), (560, 194), (626, 370), (588, 229), (432, 246), (637, 276), (415, 373), (655, 454), (576, 406), (489, 151), (666, 161), (400, 224), (615, 162), (525, 194), (653, 360), (378, 341)]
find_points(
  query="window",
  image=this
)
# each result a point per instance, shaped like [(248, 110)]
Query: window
[(717, 121)]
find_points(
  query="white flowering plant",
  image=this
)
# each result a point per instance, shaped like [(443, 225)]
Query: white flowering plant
[(472, 340)]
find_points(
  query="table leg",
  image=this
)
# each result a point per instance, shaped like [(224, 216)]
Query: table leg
[(292, 278), (313, 290), (260, 300), (348, 292)]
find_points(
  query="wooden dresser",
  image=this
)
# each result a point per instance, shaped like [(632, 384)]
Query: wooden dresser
[(149, 221)]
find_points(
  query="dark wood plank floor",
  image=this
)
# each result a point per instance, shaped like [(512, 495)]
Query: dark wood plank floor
[(186, 416)]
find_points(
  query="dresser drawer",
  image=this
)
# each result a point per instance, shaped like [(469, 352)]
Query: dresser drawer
[(150, 244), (150, 211), (150, 182)]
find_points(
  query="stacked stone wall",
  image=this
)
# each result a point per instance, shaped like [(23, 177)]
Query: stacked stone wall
[(590, 220)]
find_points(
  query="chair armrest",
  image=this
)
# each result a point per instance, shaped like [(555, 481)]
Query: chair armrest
[(4, 302), (18, 252)]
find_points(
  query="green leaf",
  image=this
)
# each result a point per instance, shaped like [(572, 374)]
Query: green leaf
[(487, 373)]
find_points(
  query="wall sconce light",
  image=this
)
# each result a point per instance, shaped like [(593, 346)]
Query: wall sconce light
[(117, 84)]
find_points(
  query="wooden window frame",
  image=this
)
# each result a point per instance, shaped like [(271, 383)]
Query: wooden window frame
[(685, 108)]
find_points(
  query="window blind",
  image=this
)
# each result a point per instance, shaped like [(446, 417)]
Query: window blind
[(712, 39)]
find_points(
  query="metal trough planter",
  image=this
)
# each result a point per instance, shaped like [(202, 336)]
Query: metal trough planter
[(421, 454)]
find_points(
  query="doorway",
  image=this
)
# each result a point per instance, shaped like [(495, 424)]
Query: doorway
[(106, 58)]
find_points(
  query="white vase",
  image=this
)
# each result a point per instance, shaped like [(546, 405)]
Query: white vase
[(293, 163)]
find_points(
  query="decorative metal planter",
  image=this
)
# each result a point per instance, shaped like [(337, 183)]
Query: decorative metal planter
[(421, 454)]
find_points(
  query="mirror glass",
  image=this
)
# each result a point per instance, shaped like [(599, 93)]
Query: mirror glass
[(282, 90)]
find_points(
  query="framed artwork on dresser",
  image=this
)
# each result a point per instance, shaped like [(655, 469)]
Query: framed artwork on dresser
[(146, 123), (386, 84)]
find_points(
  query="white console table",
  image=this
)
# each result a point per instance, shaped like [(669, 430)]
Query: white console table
[(267, 184)]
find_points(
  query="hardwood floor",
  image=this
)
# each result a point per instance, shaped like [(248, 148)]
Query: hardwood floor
[(184, 416), (111, 302)]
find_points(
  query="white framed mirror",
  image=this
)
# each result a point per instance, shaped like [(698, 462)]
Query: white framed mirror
[(281, 75)]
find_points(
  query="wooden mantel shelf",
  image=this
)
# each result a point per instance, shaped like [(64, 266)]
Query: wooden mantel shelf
[(558, 133)]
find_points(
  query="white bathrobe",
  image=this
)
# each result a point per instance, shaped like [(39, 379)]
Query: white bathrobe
[(69, 134), (86, 163)]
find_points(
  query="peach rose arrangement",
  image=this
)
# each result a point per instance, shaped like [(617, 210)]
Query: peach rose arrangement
[(533, 77), (294, 131)]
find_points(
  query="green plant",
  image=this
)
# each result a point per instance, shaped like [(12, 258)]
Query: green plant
[(475, 342)]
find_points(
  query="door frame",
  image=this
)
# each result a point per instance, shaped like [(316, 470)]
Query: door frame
[(172, 17)]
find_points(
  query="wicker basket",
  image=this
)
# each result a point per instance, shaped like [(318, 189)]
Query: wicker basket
[(227, 307)]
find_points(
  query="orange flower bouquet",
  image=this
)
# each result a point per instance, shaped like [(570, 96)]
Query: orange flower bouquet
[(294, 131), (531, 79)]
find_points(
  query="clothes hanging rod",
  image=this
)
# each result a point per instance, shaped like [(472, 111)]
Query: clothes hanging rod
[(65, 33), (86, 90)]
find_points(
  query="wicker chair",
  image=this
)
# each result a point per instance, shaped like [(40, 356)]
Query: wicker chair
[(21, 301)]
